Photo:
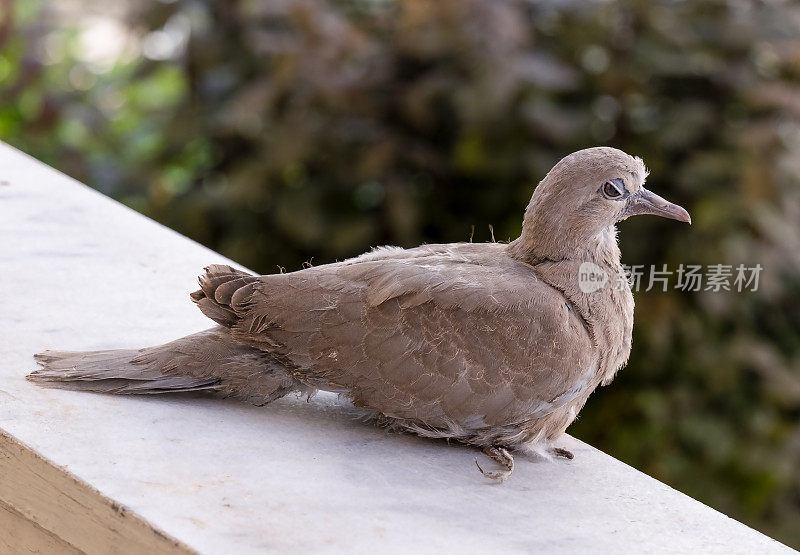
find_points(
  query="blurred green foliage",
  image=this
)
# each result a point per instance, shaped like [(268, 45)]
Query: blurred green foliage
[(285, 131)]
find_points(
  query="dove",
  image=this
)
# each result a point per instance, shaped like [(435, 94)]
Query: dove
[(494, 345)]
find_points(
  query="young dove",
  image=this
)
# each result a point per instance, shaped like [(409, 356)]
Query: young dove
[(494, 345)]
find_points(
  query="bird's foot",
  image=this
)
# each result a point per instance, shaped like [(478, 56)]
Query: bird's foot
[(563, 453), (502, 456)]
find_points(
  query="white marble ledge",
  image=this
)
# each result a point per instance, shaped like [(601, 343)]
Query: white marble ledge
[(78, 270)]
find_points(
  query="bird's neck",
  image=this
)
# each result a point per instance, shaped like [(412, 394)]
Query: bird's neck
[(606, 311), (599, 248)]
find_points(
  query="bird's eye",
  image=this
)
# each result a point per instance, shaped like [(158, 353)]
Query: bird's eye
[(611, 190)]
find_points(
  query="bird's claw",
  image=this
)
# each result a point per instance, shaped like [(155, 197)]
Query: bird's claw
[(563, 453), (499, 475), (503, 457)]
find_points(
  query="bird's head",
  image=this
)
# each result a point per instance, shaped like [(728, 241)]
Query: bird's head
[(575, 207)]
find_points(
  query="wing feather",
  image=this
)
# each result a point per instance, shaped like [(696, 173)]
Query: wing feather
[(433, 335)]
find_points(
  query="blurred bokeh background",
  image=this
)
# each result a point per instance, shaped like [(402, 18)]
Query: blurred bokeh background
[(284, 131)]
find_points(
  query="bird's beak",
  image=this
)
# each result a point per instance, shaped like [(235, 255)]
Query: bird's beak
[(647, 202)]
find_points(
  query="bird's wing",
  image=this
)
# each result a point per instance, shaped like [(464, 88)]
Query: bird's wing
[(422, 337)]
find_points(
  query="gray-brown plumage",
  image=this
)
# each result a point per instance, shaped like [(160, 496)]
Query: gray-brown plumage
[(494, 345)]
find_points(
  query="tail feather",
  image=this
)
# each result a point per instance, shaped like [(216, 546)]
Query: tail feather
[(210, 361), (111, 371)]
